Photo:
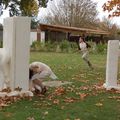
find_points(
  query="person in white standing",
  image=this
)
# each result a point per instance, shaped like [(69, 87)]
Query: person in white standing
[(38, 71), (84, 49)]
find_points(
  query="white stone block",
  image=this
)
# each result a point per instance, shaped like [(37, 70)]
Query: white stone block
[(13, 94), (16, 42), (112, 64), (3, 94)]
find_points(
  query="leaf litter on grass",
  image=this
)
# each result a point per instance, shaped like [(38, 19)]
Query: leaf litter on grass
[(61, 94)]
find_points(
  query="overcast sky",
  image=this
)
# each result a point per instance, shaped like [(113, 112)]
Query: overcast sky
[(99, 8)]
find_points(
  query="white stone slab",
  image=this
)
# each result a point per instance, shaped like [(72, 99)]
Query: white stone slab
[(112, 64), (16, 42), (17, 94), (3, 94)]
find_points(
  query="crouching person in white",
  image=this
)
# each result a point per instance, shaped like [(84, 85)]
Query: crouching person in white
[(38, 72)]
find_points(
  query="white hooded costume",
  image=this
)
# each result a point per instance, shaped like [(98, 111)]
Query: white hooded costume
[(42, 72)]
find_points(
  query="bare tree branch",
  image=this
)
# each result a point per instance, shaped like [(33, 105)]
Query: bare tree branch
[(72, 13)]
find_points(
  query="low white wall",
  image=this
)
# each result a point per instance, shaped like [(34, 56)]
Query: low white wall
[(42, 36)]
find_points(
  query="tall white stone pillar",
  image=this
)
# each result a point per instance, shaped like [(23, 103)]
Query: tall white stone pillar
[(16, 43), (112, 64)]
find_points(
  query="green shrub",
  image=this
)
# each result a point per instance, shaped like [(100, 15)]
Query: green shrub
[(65, 46), (50, 47), (97, 48), (58, 49), (37, 46), (73, 45), (101, 48)]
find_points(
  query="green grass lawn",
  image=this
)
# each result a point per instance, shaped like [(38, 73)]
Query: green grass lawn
[(83, 100)]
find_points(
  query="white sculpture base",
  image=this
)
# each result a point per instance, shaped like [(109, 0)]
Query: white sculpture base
[(17, 93), (117, 87)]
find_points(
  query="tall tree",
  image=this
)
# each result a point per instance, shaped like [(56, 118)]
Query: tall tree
[(113, 7), (72, 13), (22, 7)]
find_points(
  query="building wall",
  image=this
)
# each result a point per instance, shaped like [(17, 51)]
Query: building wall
[(42, 36), (33, 37), (55, 36)]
